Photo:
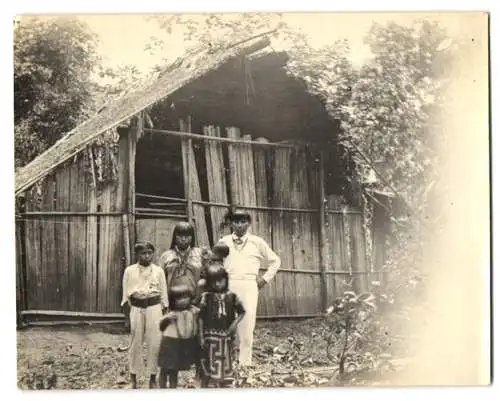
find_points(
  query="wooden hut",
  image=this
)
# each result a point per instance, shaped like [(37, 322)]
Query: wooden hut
[(214, 129)]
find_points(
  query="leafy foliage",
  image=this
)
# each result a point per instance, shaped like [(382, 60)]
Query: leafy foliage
[(387, 106), (110, 83), (59, 81), (213, 30), (53, 61)]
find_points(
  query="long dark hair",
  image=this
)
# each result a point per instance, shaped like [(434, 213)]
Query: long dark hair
[(183, 228)]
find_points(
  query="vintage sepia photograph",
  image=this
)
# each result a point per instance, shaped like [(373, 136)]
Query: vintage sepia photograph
[(252, 200)]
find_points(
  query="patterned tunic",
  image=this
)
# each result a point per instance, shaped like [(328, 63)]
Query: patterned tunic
[(218, 311)]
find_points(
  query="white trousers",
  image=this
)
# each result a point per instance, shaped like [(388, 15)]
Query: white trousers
[(248, 293), (144, 327)]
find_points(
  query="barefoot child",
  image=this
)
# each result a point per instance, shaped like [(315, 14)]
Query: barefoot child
[(220, 313), (179, 348), (145, 291)]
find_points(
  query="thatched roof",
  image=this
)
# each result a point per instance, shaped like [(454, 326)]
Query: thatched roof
[(173, 77)]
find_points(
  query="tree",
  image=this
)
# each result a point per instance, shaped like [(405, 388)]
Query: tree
[(214, 30), (387, 106), (113, 82), (53, 62)]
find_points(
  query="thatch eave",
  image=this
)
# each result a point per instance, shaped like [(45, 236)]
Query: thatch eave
[(172, 78)]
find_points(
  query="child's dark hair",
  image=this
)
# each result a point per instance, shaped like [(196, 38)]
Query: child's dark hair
[(215, 273), (177, 292), (217, 254), (220, 250)]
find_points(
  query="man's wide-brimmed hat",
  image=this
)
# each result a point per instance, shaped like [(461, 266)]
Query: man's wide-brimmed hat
[(239, 214)]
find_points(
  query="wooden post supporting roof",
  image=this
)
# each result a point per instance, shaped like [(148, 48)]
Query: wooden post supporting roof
[(187, 147), (135, 133)]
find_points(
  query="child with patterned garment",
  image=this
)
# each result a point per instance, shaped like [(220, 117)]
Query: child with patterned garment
[(179, 348), (220, 313)]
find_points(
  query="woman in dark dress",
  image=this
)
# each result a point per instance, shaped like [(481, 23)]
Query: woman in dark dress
[(220, 313)]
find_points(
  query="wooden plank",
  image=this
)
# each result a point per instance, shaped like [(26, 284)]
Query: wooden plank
[(125, 199), (306, 226), (194, 192), (36, 312), (305, 241), (73, 323), (263, 220), (380, 231), (323, 239), (89, 289), (189, 160), (229, 140), (163, 235), (308, 293), (123, 190), (186, 148), (358, 252), (285, 298), (63, 186), (20, 277), (336, 248), (241, 174), (146, 231), (115, 263), (262, 191), (126, 239), (69, 214), (243, 193), (110, 262), (48, 266), (33, 254), (264, 208), (77, 253), (216, 176), (133, 138)]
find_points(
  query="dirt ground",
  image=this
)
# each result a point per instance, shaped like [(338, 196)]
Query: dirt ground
[(87, 357)]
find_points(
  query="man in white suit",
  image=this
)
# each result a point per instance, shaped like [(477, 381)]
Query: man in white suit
[(247, 255)]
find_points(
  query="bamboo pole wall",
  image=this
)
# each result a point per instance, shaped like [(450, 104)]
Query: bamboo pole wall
[(83, 242), (193, 189), (358, 252), (282, 231), (306, 235), (216, 177), (62, 234), (262, 165), (263, 220), (75, 262), (20, 273), (337, 249), (241, 173)]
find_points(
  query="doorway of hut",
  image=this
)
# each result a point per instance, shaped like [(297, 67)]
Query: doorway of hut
[(159, 189)]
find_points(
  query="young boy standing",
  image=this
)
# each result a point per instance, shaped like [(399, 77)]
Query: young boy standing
[(145, 290)]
